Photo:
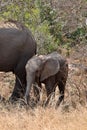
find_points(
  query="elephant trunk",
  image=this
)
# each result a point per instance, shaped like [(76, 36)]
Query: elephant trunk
[(30, 81)]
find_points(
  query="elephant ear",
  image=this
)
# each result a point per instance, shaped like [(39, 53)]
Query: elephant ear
[(51, 67)]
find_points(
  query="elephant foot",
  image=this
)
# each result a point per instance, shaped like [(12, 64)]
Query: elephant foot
[(61, 98), (2, 99), (15, 97)]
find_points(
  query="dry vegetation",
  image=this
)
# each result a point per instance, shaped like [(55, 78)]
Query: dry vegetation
[(41, 119), (71, 115)]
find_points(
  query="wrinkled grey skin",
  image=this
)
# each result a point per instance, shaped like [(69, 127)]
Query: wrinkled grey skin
[(17, 46), (52, 70)]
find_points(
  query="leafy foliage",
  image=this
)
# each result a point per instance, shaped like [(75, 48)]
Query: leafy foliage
[(43, 20)]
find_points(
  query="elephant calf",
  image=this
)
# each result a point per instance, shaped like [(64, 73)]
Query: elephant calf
[(51, 69)]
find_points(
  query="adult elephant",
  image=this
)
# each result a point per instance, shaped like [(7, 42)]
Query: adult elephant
[(17, 46), (52, 70)]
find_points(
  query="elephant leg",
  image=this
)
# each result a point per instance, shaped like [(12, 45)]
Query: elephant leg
[(37, 88), (47, 101), (50, 90), (61, 85), (20, 86), (20, 83), (19, 90)]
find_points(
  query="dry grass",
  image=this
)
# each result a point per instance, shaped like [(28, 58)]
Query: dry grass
[(43, 119), (6, 24)]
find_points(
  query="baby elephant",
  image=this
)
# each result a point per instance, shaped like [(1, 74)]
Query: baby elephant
[(51, 69)]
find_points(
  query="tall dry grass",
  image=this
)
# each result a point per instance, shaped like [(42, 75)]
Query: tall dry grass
[(43, 119)]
